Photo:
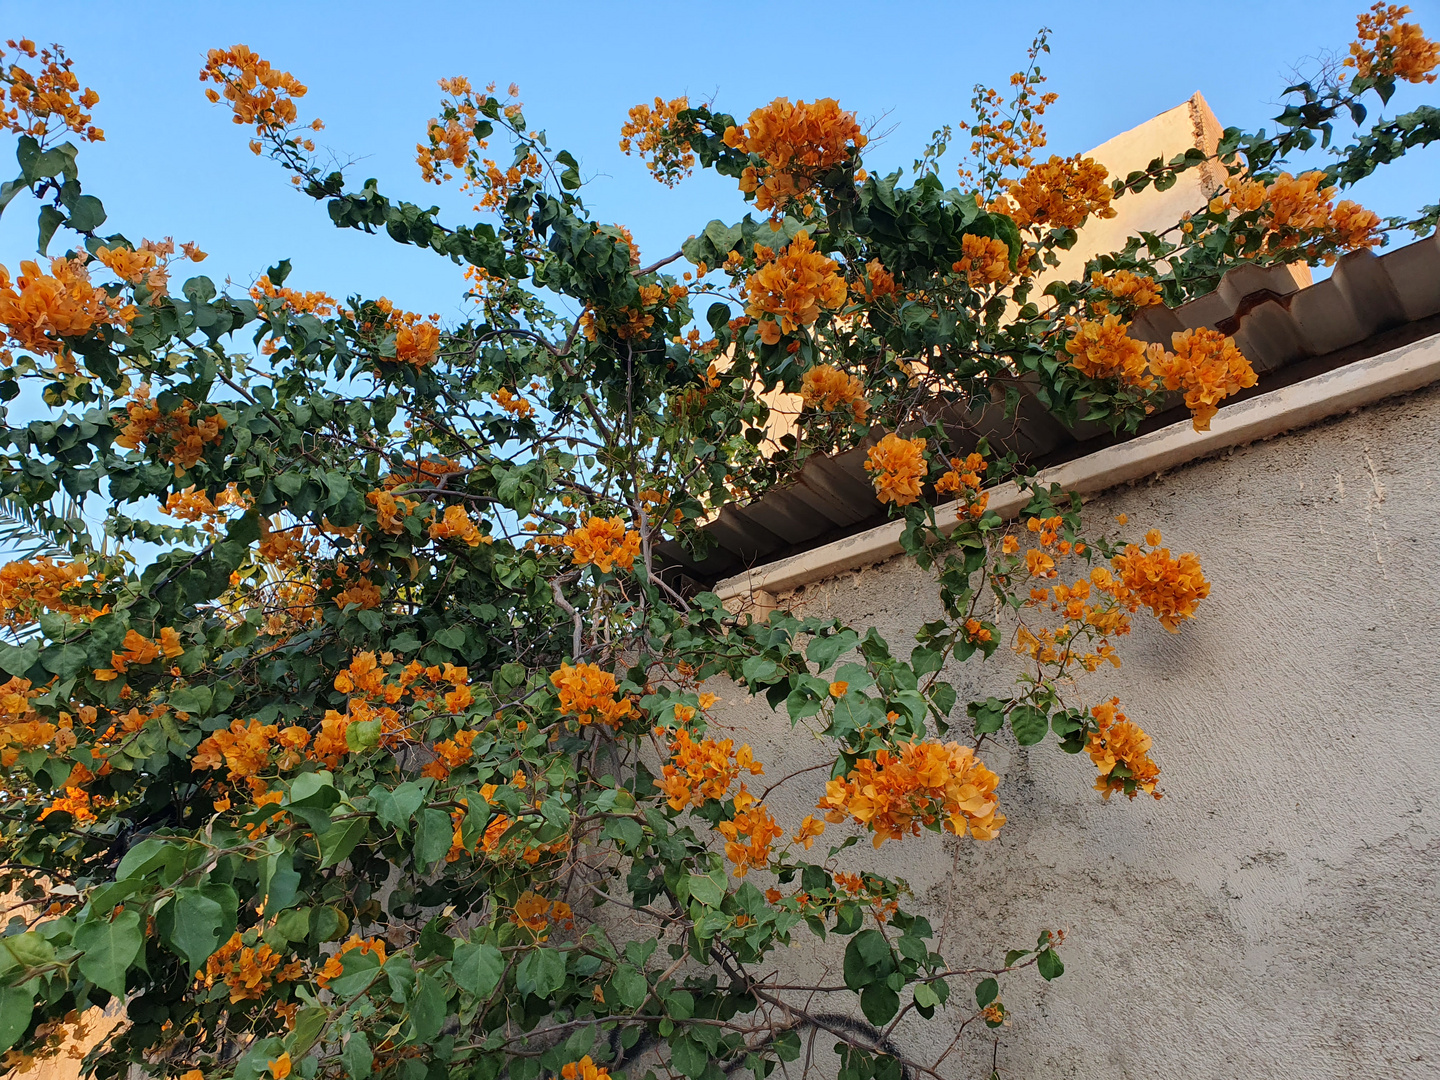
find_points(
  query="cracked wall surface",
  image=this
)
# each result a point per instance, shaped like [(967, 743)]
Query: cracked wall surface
[(1275, 914)]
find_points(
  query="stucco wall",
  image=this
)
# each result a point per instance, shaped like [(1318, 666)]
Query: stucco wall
[(1276, 914)]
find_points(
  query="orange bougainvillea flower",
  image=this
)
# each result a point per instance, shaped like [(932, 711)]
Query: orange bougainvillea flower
[(662, 142), (898, 467), (603, 543), (703, 769), (39, 310), (1170, 587), (1388, 47), (1105, 350), (798, 144), (925, 783), (828, 388), (790, 290), (1059, 194), (1121, 752), (750, 834), (584, 1069), (984, 261), (589, 694), (257, 93), (35, 98), (28, 588), (1207, 366)]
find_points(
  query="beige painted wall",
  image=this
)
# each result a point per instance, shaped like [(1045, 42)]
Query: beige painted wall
[(1275, 914)]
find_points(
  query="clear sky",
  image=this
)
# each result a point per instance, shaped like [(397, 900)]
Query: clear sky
[(175, 165)]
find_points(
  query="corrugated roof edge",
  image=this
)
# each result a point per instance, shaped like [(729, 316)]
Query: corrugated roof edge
[(1401, 370), (1369, 305)]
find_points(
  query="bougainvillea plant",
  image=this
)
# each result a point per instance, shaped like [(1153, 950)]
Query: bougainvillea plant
[(375, 737)]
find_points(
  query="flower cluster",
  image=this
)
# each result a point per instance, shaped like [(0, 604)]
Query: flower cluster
[(588, 693), (449, 143), (292, 300), (797, 145), (984, 260), (20, 725), (584, 1069), (603, 543), (534, 913), (827, 388), (926, 783), (1170, 587), (1207, 366), (1121, 751), (1105, 350), (899, 468), (39, 311), (662, 142), (1299, 212), (749, 834), (1059, 194), (28, 588), (136, 648), (1390, 48), (513, 403), (1131, 289), (244, 749), (33, 98), (788, 291), (963, 479), (177, 438), (456, 524), (699, 770), (248, 970), (257, 93), (877, 283), (1005, 134)]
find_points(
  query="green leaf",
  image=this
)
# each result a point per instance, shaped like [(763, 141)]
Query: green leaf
[(867, 959), (760, 669), (986, 992), (879, 1003), (362, 736), (314, 789), (280, 881), (198, 922), (823, 651), (109, 947), (433, 837), (541, 972), (1029, 724), (357, 1056), (452, 637), (687, 1055), (706, 889), (16, 1005), (338, 841), (477, 967), (925, 996), (989, 715), (195, 700), (87, 214), (50, 220), (1050, 965), (629, 986), (309, 1023), (396, 807), (427, 1009)]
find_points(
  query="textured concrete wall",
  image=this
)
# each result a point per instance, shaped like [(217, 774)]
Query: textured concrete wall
[(1275, 915)]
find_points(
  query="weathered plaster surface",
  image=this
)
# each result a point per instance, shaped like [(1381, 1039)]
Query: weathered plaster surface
[(1276, 914)]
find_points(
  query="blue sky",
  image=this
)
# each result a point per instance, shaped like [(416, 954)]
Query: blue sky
[(175, 165)]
